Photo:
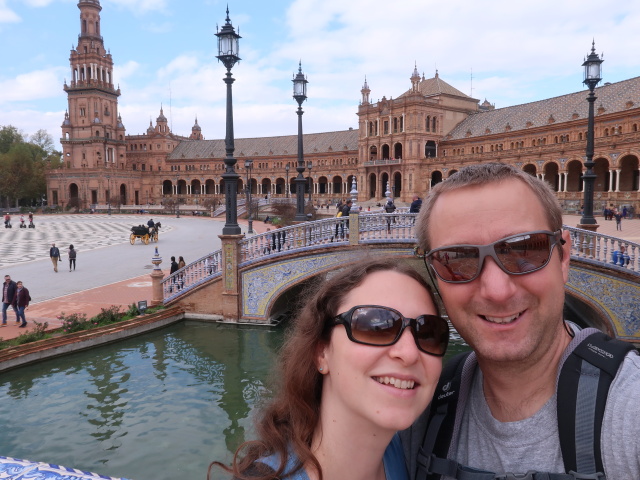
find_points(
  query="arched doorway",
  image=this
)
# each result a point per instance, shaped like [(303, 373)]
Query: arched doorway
[(397, 150), (385, 152), (384, 180), (123, 194), (166, 187), (397, 184), (629, 174), (337, 185), (430, 149), (551, 176), (323, 185), (574, 177), (603, 175), (530, 169), (436, 178), (373, 153), (372, 185)]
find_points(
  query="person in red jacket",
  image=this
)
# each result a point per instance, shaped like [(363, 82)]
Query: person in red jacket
[(21, 302)]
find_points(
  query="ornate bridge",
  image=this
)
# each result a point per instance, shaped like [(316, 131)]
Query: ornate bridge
[(259, 278)]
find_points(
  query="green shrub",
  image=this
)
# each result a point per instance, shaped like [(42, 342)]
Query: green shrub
[(33, 335), (75, 322), (107, 316)]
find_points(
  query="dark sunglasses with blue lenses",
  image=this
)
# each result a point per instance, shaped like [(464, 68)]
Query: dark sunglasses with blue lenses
[(518, 254), (382, 326)]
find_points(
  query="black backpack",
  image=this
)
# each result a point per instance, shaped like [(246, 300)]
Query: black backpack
[(583, 386)]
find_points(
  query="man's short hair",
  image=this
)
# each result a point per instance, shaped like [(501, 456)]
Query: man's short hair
[(485, 174)]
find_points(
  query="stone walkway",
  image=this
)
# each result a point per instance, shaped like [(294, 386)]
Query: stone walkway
[(126, 292)]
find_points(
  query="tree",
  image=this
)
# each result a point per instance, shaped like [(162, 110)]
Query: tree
[(43, 140), (9, 135)]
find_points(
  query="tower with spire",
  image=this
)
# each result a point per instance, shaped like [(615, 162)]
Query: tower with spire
[(365, 92), (92, 130)]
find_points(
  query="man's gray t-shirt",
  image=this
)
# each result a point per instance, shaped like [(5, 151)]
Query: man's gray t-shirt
[(533, 443)]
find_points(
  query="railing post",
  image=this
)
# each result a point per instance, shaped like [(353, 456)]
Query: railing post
[(354, 228), (157, 275), (230, 281)]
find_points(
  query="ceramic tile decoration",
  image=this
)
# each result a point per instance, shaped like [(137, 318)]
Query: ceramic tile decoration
[(16, 469)]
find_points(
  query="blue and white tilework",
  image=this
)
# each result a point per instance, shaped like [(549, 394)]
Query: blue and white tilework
[(15, 469)]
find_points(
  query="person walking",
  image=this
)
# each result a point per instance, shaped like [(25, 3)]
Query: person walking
[(54, 253), (72, 257), (618, 217), (21, 302), (9, 288)]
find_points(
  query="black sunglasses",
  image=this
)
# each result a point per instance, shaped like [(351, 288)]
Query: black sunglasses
[(518, 254), (383, 326)]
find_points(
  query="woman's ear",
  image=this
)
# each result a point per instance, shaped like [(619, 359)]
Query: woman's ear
[(321, 358)]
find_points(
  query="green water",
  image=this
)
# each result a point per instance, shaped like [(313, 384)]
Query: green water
[(155, 407)]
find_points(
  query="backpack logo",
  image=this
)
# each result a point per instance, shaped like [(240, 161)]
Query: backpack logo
[(599, 351), (446, 391)]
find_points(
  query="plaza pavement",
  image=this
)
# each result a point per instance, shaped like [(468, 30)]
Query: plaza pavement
[(102, 281)]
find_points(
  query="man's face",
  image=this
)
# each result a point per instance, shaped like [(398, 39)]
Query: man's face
[(7, 279), (502, 317)]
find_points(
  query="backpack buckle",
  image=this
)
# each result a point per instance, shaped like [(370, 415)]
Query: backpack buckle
[(587, 476), (517, 476)]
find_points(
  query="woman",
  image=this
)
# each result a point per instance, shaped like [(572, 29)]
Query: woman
[(351, 375), (72, 258), (21, 302)]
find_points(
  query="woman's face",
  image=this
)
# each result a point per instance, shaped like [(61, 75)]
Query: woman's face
[(380, 387)]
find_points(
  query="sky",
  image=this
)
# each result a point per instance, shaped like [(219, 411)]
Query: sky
[(506, 51)]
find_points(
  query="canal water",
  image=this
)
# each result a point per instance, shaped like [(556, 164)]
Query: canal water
[(156, 407)]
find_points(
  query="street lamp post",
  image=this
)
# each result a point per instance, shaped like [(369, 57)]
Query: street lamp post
[(177, 198), (592, 76), (309, 165), (286, 187), (248, 164), (109, 194), (228, 44), (300, 94)]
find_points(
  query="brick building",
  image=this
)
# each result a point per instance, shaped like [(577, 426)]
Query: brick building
[(402, 145)]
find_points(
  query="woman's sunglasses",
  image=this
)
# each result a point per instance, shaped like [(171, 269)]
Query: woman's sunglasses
[(383, 326), (516, 255)]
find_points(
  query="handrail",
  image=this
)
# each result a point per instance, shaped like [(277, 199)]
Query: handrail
[(374, 228)]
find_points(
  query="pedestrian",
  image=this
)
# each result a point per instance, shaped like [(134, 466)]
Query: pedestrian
[(389, 207), (174, 269), (21, 302), (345, 211), (54, 253), (415, 205), (618, 217), (624, 212), (9, 288), (524, 400), (72, 258), (181, 264)]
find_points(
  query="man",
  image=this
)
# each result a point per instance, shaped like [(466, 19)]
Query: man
[(54, 253), (511, 315), (174, 268), (21, 302), (8, 295), (415, 204), (345, 210)]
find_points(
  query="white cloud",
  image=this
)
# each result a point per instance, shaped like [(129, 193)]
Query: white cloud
[(32, 86), (7, 15)]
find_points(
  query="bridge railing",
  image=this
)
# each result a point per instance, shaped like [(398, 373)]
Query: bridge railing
[(197, 272), (604, 249), (374, 228)]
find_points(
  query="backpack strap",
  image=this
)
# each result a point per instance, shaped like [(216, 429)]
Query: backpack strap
[(441, 422), (583, 387)]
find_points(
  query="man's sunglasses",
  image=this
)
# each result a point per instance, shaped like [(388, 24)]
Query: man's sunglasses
[(383, 326), (516, 255)]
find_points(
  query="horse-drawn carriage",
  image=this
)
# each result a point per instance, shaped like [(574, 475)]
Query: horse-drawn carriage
[(145, 233)]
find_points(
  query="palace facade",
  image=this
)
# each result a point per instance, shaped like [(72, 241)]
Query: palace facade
[(402, 146)]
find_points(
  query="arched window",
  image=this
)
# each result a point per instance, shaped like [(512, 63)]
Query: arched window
[(433, 124), (428, 127)]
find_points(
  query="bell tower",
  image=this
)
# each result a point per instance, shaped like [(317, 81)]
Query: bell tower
[(92, 131)]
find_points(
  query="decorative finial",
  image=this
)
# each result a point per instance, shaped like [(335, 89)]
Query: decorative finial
[(228, 20)]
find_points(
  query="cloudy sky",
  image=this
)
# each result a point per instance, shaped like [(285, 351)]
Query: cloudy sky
[(164, 51)]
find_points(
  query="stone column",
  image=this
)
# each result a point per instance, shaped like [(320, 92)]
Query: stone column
[(611, 181), (566, 180), (618, 179), (231, 288), (157, 275)]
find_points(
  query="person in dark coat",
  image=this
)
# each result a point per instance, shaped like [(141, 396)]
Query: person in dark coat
[(72, 258), (9, 288), (21, 302), (415, 205)]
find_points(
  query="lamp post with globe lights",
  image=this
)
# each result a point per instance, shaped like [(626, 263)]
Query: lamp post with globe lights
[(300, 94), (592, 76), (228, 44)]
